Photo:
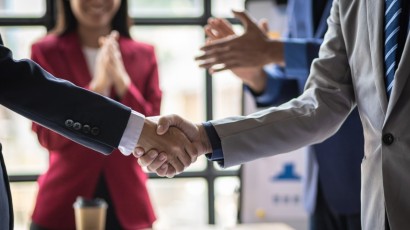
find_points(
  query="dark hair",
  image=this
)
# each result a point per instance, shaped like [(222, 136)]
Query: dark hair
[(66, 21)]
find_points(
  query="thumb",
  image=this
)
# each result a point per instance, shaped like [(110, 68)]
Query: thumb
[(246, 20), (187, 127), (263, 25), (101, 40), (115, 34), (164, 123)]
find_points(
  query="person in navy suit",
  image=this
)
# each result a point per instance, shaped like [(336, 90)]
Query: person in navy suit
[(332, 188), (87, 118)]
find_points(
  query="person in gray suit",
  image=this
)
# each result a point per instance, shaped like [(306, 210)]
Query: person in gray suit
[(332, 180), (354, 60), (87, 118)]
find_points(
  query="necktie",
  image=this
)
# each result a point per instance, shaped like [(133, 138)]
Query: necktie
[(391, 35)]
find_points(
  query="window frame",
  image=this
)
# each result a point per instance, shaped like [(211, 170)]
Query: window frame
[(210, 173)]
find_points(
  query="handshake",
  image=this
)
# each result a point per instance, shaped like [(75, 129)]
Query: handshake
[(169, 144)]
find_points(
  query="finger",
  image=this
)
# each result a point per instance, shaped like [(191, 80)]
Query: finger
[(157, 162), (177, 164), (227, 66), (263, 25), (244, 18), (138, 152), (185, 157), (223, 27), (214, 53), (162, 171), (192, 152), (187, 127), (166, 121), (209, 40), (147, 159), (217, 70), (220, 43), (114, 34), (210, 33), (182, 155), (219, 60), (171, 171), (101, 41)]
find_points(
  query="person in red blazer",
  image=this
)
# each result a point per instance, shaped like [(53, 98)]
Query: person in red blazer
[(84, 50)]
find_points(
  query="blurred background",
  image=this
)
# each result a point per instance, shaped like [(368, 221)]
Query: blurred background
[(204, 194)]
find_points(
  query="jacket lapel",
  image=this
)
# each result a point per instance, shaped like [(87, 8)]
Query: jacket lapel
[(375, 12), (74, 57)]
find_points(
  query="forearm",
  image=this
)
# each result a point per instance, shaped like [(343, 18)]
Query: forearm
[(276, 51), (34, 93)]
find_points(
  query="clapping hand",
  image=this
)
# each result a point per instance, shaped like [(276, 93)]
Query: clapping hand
[(109, 69), (253, 48), (253, 76)]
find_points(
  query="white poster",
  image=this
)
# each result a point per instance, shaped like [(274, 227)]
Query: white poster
[(272, 188)]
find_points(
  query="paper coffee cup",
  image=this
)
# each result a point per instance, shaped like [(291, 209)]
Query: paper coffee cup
[(90, 214)]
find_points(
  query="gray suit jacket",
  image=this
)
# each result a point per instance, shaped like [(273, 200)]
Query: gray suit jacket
[(349, 71)]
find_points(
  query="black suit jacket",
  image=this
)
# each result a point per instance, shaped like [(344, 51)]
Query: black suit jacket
[(92, 120)]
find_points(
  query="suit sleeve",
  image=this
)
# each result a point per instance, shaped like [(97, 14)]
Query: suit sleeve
[(58, 104), (284, 84), (311, 118), (46, 137)]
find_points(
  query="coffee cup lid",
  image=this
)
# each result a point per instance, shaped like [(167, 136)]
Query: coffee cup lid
[(84, 202)]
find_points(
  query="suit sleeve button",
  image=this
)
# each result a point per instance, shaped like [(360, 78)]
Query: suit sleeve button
[(69, 123), (95, 131), (86, 129), (77, 126)]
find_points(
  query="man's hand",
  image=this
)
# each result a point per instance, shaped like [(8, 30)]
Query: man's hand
[(253, 48), (156, 160), (252, 76), (180, 152)]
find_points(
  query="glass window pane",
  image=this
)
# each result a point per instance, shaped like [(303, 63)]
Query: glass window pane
[(24, 198), (182, 82), (22, 152), (227, 95), (22, 8), (179, 202), (165, 8), (20, 38), (227, 99), (223, 8), (232, 168), (226, 201), (199, 165)]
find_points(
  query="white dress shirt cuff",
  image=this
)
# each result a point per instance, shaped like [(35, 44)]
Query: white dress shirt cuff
[(132, 133)]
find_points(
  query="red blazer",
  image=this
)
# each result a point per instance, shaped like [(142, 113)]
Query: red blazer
[(73, 169)]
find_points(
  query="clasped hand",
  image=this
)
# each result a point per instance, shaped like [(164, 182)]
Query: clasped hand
[(169, 144)]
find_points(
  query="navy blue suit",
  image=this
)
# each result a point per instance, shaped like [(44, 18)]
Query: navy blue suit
[(340, 156), (30, 91)]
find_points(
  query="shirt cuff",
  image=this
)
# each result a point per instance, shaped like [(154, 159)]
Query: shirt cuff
[(132, 133), (217, 153)]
